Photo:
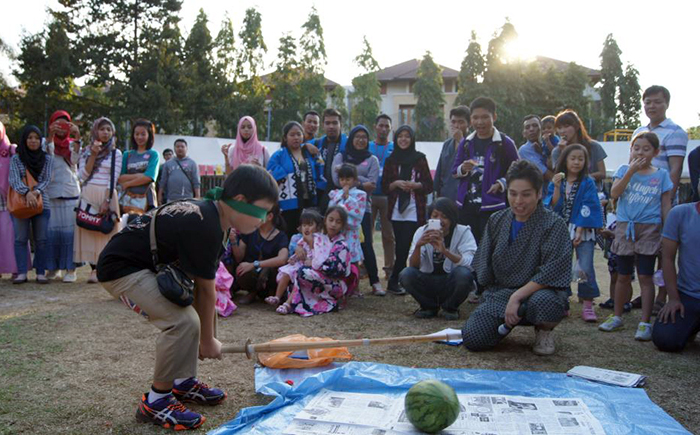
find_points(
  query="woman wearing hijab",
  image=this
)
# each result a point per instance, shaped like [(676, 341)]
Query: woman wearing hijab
[(63, 143), (408, 182), (357, 153), (7, 232), (31, 160), (247, 148), (95, 176), (294, 168)]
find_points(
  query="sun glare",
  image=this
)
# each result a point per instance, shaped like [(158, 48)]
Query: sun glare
[(519, 50)]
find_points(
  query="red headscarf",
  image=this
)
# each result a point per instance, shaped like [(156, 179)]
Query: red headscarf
[(61, 144)]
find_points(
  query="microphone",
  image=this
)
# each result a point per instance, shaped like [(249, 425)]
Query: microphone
[(504, 329)]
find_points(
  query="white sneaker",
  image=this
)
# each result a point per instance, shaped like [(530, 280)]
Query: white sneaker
[(643, 332), (377, 289), (70, 277), (612, 323), (544, 343)]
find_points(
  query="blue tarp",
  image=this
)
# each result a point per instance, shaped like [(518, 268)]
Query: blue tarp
[(619, 410)]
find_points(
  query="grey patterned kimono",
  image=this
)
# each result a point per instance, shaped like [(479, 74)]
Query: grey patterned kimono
[(541, 252)]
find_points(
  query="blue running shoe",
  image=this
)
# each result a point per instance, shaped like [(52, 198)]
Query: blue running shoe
[(192, 390), (169, 413)]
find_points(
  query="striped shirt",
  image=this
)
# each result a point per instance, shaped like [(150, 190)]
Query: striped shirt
[(673, 142), (18, 171), (101, 174)]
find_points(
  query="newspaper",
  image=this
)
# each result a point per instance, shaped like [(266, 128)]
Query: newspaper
[(610, 377), (342, 413)]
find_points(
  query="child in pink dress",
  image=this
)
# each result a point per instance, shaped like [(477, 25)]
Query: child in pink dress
[(303, 248)]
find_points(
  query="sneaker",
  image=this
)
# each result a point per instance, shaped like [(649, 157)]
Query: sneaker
[(41, 279), (377, 289), (192, 390), (396, 290), (21, 278), (169, 413), (450, 315), (643, 332), (93, 277), (425, 314), (608, 305), (70, 277), (588, 314), (53, 274), (627, 307), (544, 343), (612, 323)]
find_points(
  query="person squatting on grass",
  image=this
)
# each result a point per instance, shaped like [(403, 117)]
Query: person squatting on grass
[(439, 275), (191, 232), (524, 257), (573, 195), (644, 193)]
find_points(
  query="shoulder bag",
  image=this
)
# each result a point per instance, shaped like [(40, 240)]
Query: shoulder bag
[(17, 203), (87, 217)]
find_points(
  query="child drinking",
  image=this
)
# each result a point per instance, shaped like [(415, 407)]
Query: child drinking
[(354, 201), (303, 248), (318, 288), (644, 193), (574, 196)]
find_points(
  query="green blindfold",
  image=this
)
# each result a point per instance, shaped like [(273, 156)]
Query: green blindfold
[(240, 206)]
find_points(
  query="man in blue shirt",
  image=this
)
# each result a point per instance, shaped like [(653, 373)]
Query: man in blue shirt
[(534, 149), (381, 148), (327, 147), (678, 321)]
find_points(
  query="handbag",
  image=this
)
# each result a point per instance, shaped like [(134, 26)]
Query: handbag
[(173, 282), (87, 217), (17, 203)]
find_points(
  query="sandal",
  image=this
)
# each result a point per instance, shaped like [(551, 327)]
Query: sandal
[(284, 309), (272, 300)]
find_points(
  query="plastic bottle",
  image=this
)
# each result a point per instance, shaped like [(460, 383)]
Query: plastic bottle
[(504, 329)]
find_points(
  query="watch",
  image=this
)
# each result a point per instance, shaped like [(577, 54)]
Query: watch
[(256, 264)]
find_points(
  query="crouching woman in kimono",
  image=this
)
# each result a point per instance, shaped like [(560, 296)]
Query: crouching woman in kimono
[(524, 258)]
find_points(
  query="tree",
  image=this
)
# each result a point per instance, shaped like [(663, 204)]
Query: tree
[(367, 95), (251, 92), (471, 71), (430, 123), (694, 132), (338, 101), (227, 71), (312, 64), (284, 85), (46, 72), (496, 54), (630, 104), (200, 81), (611, 74)]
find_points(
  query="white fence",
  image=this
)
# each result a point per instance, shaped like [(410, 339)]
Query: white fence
[(206, 151)]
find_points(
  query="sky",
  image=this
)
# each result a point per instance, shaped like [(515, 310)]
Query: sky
[(659, 39)]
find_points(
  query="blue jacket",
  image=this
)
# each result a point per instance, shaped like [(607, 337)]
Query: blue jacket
[(282, 169), (324, 178), (587, 211)]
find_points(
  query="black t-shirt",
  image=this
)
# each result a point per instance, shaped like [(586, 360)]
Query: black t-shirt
[(474, 193), (439, 258), (257, 248), (188, 231)]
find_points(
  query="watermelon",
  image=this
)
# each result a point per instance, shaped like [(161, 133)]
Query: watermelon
[(431, 405)]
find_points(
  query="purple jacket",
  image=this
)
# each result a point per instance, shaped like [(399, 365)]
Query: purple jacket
[(494, 171)]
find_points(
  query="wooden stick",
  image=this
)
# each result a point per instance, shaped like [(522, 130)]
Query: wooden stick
[(272, 347)]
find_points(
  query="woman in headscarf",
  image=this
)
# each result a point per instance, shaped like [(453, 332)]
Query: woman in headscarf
[(357, 153), (63, 143), (95, 176), (31, 160), (294, 168), (408, 182), (7, 232), (247, 148)]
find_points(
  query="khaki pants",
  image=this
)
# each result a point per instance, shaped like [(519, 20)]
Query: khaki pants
[(177, 346), (380, 206)]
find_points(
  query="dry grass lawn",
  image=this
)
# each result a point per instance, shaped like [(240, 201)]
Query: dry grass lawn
[(74, 361)]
